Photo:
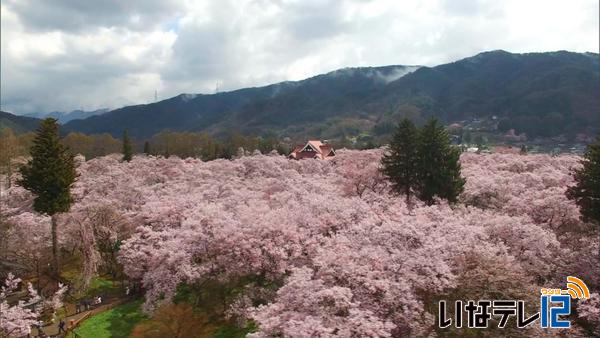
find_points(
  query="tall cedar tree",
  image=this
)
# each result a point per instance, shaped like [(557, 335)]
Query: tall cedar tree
[(147, 148), (400, 164), (49, 175), (127, 149), (439, 166), (586, 191)]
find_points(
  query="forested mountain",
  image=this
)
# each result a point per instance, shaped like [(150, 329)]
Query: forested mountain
[(541, 94), (64, 117), (18, 124), (270, 108)]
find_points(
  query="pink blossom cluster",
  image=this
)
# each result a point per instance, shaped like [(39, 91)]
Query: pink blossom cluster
[(17, 318), (590, 310), (531, 185), (348, 258)]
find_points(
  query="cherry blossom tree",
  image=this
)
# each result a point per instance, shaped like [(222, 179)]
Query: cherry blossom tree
[(17, 319), (589, 310), (321, 247)]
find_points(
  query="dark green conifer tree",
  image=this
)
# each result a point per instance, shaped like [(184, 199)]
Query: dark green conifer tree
[(466, 137), (49, 175), (586, 191), (127, 148), (400, 163), (147, 148), (439, 166), (523, 150)]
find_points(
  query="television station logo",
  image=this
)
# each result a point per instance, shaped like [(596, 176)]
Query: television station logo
[(554, 304)]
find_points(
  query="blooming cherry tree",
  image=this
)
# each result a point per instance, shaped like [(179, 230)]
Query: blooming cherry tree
[(324, 248), (17, 319)]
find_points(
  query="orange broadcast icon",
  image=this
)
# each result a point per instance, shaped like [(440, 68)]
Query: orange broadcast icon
[(576, 288)]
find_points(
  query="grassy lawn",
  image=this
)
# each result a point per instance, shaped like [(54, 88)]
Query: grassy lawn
[(232, 331), (116, 322), (100, 285)]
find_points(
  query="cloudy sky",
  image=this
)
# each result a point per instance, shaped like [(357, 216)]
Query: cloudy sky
[(72, 54)]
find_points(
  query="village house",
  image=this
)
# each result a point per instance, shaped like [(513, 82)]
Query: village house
[(312, 149)]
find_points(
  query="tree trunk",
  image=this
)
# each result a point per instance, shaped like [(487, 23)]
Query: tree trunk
[(10, 174), (55, 269), (37, 270)]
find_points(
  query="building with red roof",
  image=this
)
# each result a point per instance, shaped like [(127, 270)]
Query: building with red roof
[(312, 149)]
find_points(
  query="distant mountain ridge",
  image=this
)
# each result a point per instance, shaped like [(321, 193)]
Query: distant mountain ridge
[(231, 110), (541, 94), (64, 117), (19, 124)]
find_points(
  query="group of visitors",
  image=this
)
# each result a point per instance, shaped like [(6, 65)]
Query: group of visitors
[(85, 304)]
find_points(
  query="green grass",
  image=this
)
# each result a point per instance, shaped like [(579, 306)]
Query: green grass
[(100, 285), (117, 322), (233, 331)]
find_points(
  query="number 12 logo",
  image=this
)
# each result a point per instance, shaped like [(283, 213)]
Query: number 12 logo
[(549, 312)]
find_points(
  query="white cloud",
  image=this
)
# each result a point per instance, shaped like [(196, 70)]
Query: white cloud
[(66, 54)]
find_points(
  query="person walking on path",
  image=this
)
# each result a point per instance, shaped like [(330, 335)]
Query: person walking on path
[(61, 326), (40, 330)]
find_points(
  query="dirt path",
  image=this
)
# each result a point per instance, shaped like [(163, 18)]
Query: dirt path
[(52, 329)]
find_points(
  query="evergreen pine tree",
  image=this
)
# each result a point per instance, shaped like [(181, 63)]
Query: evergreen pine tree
[(49, 175), (147, 148), (400, 164), (439, 166), (127, 149), (282, 149), (586, 191), (466, 137), (523, 150)]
